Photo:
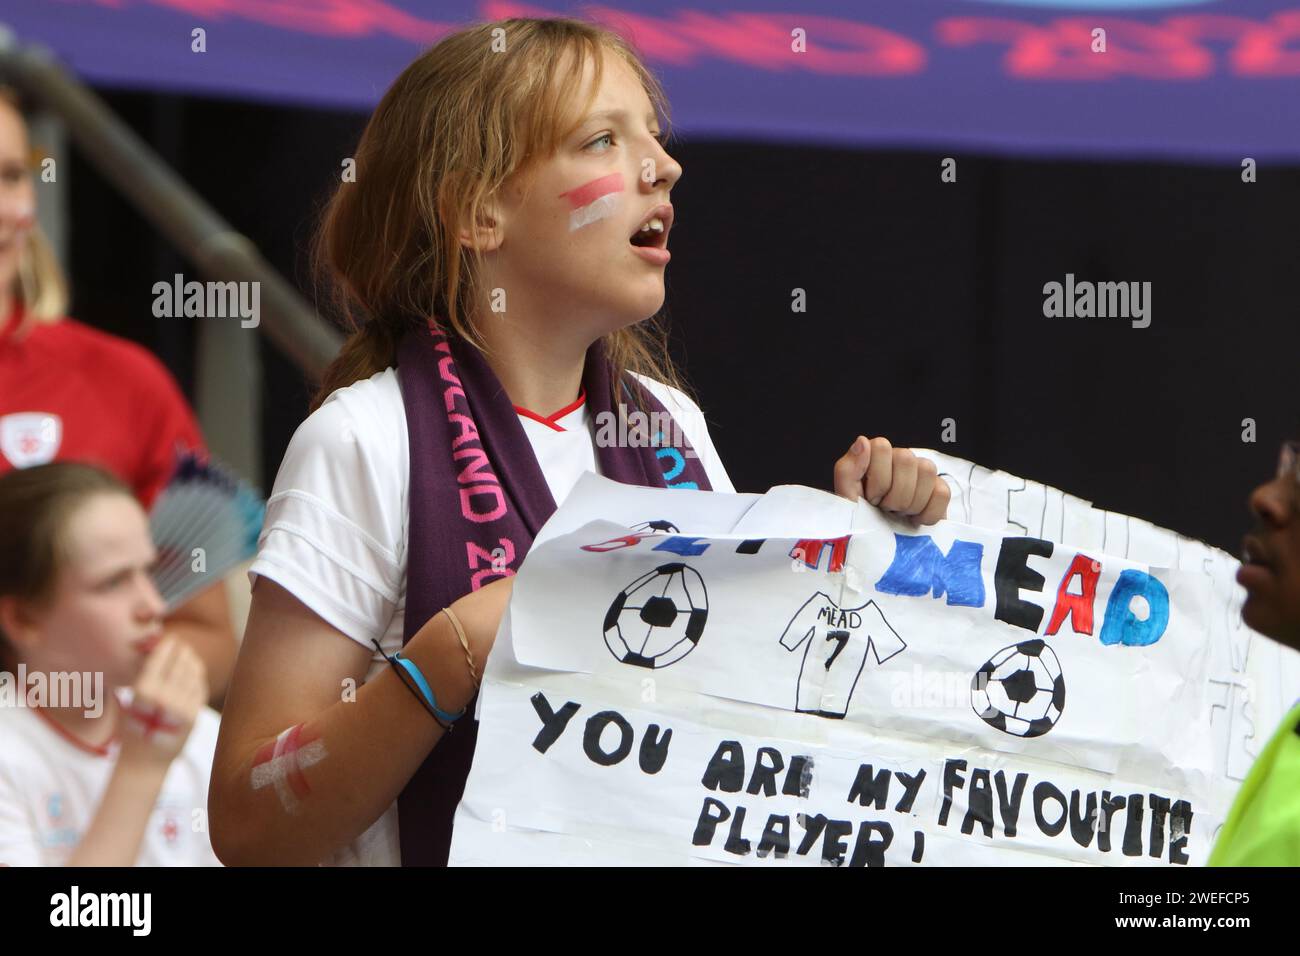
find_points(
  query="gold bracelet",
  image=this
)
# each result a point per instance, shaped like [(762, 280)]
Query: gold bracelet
[(464, 642)]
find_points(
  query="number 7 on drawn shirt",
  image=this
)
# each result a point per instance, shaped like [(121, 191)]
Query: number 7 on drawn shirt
[(836, 643)]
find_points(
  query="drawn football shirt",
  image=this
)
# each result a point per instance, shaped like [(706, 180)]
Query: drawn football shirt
[(836, 642)]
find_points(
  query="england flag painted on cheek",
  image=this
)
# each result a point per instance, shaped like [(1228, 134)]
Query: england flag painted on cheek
[(593, 201)]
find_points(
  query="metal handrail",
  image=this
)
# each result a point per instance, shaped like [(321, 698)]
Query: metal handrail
[(215, 248)]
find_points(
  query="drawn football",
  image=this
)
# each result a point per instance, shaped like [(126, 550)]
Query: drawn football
[(658, 619), (1020, 690)]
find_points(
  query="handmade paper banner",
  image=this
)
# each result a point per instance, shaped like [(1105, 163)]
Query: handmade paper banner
[(1253, 681), (793, 679)]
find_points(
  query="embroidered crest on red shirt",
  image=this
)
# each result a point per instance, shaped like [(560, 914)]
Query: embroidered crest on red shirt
[(30, 438)]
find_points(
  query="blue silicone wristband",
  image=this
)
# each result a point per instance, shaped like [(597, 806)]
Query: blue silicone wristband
[(425, 689)]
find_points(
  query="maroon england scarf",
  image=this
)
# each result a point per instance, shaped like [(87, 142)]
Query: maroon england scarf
[(476, 488)]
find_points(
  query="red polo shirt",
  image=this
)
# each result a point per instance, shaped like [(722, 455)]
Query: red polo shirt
[(72, 393)]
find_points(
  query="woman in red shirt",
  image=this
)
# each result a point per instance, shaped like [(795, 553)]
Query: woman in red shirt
[(72, 393)]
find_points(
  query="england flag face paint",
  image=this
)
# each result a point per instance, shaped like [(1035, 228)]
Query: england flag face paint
[(151, 720), (593, 201), (280, 764)]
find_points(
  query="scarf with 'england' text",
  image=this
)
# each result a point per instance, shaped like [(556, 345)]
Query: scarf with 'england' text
[(477, 499)]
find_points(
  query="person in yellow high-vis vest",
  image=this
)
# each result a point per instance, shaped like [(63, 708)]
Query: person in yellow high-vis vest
[(1263, 826)]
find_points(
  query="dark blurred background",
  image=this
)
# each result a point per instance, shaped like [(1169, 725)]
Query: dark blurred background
[(924, 302)]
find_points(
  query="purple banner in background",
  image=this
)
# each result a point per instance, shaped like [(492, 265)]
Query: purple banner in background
[(1199, 79)]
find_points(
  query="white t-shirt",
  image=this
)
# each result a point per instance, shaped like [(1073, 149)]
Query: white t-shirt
[(336, 522), (51, 785)]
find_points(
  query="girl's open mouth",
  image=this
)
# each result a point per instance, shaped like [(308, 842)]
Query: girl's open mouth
[(650, 238), (651, 234)]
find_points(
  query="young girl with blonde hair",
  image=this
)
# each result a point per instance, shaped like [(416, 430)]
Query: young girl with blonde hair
[(499, 254)]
